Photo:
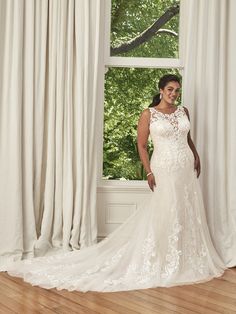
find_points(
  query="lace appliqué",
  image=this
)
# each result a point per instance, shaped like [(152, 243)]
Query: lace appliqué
[(150, 268), (170, 117), (169, 133), (173, 254), (143, 272), (171, 161), (195, 252), (111, 262)]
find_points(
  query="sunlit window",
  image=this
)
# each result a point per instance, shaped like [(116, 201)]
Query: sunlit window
[(143, 29)]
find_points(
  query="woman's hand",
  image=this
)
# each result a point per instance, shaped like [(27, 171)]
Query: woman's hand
[(151, 181), (197, 166)]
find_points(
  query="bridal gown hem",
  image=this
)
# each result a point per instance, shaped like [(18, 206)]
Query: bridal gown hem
[(165, 243)]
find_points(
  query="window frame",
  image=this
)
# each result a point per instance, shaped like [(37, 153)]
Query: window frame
[(134, 62)]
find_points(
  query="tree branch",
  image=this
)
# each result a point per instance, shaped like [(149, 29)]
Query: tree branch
[(167, 31), (147, 34)]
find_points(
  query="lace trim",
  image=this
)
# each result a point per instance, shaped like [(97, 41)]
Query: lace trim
[(171, 117)]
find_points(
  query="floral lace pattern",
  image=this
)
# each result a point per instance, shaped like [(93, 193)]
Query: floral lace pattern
[(173, 255), (169, 135), (143, 270), (165, 243), (150, 266), (195, 252), (171, 117)]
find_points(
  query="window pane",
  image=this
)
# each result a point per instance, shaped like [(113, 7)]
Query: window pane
[(127, 92), (130, 19)]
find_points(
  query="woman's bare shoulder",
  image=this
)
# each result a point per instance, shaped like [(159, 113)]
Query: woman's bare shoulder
[(146, 113), (186, 110)]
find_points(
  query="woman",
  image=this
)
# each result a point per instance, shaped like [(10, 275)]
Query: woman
[(166, 241)]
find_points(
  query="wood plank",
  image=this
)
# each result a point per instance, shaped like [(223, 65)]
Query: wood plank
[(144, 306), (100, 298), (52, 299), (25, 290), (217, 296), (14, 302), (67, 310), (227, 291), (197, 297), (230, 275), (80, 298), (184, 303), (174, 303), (214, 297), (5, 310), (48, 298), (222, 285), (124, 299)]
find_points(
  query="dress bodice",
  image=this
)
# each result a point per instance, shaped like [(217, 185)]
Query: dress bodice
[(169, 136)]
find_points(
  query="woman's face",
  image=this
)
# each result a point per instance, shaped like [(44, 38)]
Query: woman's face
[(170, 92)]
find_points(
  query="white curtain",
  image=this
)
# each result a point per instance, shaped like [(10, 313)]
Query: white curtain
[(209, 92), (49, 55)]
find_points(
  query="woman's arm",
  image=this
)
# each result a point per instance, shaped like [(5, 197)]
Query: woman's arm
[(142, 139), (197, 164)]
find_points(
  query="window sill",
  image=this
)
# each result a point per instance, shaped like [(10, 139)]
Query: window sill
[(120, 186)]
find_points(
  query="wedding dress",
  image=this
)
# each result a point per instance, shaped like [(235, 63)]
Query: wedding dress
[(166, 242)]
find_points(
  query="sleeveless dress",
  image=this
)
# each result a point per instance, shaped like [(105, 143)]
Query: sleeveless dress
[(166, 242)]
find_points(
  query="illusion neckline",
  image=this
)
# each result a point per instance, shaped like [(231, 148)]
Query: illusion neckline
[(167, 114)]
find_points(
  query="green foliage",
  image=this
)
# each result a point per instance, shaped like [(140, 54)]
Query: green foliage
[(130, 18), (130, 90)]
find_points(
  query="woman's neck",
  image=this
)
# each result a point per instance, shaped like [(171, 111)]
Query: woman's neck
[(165, 105)]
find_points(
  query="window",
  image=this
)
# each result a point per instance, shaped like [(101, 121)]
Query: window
[(142, 45), (144, 28)]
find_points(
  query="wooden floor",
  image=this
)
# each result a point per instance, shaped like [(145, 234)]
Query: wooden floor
[(215, 296)]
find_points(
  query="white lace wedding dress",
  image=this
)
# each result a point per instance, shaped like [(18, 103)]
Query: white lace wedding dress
[(164, 243)]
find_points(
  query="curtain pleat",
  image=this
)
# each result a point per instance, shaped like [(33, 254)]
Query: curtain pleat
[(209, 81), (49, 57)]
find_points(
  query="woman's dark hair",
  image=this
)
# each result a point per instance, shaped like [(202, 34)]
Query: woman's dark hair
[(164, 80)]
